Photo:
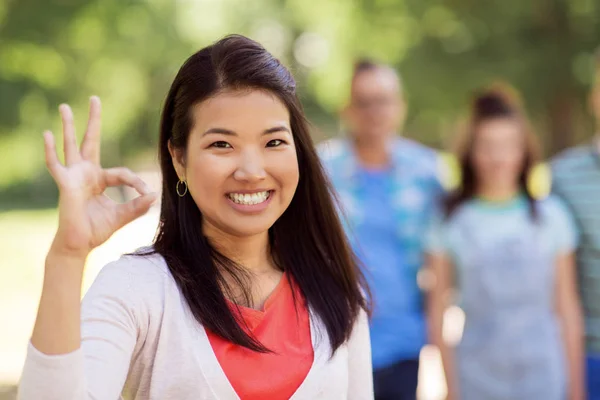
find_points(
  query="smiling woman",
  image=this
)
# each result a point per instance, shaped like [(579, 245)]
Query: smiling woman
[(249, 291)]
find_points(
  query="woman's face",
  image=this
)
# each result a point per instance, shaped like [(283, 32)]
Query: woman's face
[(240, 166), (498, 152)]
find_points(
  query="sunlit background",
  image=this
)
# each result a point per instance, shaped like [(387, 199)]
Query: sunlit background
[(128, 51)]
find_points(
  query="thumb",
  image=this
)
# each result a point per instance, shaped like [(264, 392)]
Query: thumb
[(135, 208)]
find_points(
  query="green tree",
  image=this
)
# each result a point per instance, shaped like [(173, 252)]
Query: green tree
[(127, 52)]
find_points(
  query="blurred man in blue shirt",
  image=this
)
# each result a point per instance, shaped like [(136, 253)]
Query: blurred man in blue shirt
[(388, 187)]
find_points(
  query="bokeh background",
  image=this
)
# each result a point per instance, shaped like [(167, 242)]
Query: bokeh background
[(128, 51)]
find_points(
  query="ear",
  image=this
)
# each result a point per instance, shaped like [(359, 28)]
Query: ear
[(178, 159)]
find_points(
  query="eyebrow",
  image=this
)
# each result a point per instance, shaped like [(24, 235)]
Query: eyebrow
[(223, 131)]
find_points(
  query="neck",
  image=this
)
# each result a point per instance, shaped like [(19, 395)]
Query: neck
[(372, 153), (250, 252), (498, 193)]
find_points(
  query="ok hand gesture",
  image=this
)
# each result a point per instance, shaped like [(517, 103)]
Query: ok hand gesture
[(87, 217)]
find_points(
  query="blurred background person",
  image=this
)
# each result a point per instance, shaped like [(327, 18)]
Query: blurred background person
[(510, 257), (387, 186), (576, 179)]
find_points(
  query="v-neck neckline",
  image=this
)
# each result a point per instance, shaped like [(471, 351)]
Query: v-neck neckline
[(271, 298), (220, 385)]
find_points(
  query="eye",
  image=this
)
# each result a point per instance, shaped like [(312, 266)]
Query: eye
[(275, 143), (221, 145)]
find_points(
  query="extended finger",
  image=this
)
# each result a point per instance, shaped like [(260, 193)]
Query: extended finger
[(70, 142), (124, 176), (90, 147), (52, 161)]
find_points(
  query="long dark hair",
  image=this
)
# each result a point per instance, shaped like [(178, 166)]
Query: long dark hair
[(499, 101), (307, 241)]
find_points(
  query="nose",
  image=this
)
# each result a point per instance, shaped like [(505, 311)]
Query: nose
[(250, 167)]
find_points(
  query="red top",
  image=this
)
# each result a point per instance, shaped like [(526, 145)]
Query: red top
[(283, 330)]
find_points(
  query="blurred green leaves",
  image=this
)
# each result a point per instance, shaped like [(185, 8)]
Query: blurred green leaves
[(128, 51)]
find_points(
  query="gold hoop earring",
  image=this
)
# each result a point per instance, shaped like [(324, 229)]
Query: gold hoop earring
[(185, 188)]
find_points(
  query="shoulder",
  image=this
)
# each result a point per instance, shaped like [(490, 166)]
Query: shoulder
[(465, 211), (144, 265), (552, 207), (133, 288), (558, 222), (414, 149), (570, 159), (133, 277), (409, 149), (332, 149), (423, 159)]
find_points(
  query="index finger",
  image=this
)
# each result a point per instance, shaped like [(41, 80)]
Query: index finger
[(90, 147)]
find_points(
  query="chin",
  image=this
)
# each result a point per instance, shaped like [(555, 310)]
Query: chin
[(241, 228), (248, 232)]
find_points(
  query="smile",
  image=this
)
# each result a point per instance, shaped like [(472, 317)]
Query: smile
[(250, 198)]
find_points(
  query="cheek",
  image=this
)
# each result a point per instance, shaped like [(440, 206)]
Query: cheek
[(512, 156), (282, 169), (505, 164), (481, 161), (516, 160), (286, 171), (394, 119), (207, 174), (359, 119)]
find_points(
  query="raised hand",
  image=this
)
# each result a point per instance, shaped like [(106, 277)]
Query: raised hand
[(87, 217)]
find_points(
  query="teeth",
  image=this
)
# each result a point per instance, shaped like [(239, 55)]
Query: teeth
[(249, 199)]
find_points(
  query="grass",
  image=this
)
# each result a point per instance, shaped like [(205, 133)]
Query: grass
[(8, 393), (26, 237)]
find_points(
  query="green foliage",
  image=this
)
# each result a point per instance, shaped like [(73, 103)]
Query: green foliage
[(127, 52)]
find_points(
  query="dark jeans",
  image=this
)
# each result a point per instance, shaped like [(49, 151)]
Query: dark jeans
[(593, 377), (397, 382)]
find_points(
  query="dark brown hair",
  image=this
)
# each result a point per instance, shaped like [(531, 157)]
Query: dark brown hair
[(499, 101), (363, 65), (366, 64), (307, 241)]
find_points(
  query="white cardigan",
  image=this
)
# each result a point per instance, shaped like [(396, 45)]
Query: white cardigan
[(139, 338)]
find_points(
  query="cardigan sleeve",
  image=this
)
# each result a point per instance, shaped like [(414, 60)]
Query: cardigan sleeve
[(360, 372), (99, 368)]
